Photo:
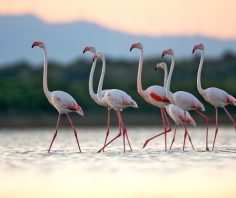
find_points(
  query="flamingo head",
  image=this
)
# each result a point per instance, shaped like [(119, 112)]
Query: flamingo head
[(39, 44), (136, 45), (161, 65), (167, 51), (97, 55), (89, 49), (198, 47)]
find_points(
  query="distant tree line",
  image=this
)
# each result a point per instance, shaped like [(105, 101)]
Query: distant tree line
[(21, 91)]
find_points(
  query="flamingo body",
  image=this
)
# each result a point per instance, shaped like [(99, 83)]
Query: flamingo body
[(218, 97), (118, 100), (177, 114), (64, 103), (187, 101), (156, 96)]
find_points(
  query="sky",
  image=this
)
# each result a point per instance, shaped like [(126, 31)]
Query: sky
[(215, 18)]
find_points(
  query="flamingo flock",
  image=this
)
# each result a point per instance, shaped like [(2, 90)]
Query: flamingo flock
[(172, 105)]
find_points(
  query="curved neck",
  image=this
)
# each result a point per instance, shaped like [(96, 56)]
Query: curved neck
[(101, 77), (91, 92), (168, 94), (165, 76), (45, 74), (139, 77), (199, 86)]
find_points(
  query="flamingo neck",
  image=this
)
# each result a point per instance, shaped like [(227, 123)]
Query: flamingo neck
[(168, 93), (165, 76), (91, 92), (199, 86), (139, 77), (101, 78), (45, 74)]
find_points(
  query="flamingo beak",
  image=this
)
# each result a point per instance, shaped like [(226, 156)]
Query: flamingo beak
[(163, 54), (193, 51), (155, 68), (85, 49), (131, 48)]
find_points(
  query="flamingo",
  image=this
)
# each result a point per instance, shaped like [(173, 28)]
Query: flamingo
[(62, 101), (183, 99), (154, 95), (215, 96), (93, 95), (114, 99), (176, 113)]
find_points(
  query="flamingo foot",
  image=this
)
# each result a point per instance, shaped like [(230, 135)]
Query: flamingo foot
[(207, 148)]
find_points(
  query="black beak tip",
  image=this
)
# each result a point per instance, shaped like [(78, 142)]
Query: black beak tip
[(193, 51), (130, 49)]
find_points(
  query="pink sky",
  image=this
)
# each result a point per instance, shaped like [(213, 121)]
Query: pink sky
[(150, 17)]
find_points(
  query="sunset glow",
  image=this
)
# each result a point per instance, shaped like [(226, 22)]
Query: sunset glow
[(214, 18)]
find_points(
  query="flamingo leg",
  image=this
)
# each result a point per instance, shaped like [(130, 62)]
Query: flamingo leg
[(207, 124), (216, 130), (230, 117), (162, 133), (75, 133), (166, 118), (108, 127), (118, 135), (190, 140), (173, 136), (55, 134), (186, 132), (125, 133)]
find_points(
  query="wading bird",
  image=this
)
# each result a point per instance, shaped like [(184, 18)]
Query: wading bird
[(114, 99), (215, 96), (183, 99), (176, 113), (62, 101), (94, 95), (154, 95)]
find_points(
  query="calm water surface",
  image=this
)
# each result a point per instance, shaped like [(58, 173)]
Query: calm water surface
[(28, 171)]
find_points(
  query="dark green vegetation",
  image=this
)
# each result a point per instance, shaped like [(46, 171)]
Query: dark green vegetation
[(22, 101)]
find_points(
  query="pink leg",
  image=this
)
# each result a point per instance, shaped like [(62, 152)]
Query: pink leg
[(55, 134), (127, 139), (173, 137), (108, 127), (125, 134), (230, 117), (186, 132), (216, 131), (162, 133), (207, 123), (190, 140), (75, 133), (118, 135), (166, 119)]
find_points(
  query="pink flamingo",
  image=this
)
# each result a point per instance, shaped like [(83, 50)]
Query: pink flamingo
[(183, 99), (114, 99), (62, 101), (154, 95), (93, 95), (176, 113), (215, 96)]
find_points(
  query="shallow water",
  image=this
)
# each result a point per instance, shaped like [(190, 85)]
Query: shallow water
[(27, 170)]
